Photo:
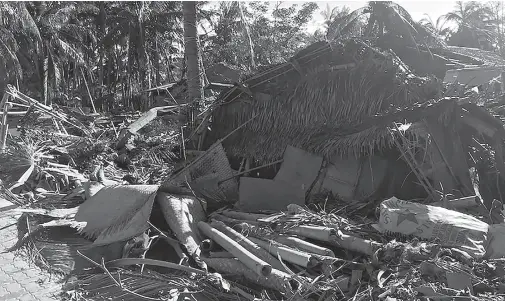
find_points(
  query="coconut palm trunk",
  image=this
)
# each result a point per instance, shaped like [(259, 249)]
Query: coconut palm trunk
[(248, 35), (191, 55), (45, 80)]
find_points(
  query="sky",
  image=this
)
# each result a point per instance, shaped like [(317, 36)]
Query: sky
[(417, 9)]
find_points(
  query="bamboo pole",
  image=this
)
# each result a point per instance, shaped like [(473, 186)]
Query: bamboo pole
[(221, 254), (259, 266), (232, 221), (337, 238), (290, 255), (248, 244), (276, 280), (243, 215), (304, 245), (89, 93), (206, 245), (47, 110), (5, 99), (4, 127)]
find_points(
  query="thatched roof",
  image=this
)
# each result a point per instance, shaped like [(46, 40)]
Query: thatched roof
[(312, 101), (470, 56)]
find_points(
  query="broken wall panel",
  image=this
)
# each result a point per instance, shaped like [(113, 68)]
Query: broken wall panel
[(372, 175), (261, 194), (340, 177), (352, 179), (299, 168), (446, 153)]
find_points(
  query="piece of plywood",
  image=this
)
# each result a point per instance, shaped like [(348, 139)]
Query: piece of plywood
[(299, 168), (260, 194)]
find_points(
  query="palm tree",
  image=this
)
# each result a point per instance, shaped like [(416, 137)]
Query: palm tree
[(386, 19), (466, 13), (133, 30), (439, 27), (191, 53), (47, 40), (475, 27), (8, 49), (333, 22)]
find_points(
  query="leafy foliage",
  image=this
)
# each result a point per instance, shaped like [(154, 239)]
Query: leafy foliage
[(475, 25), (52, 50), (274, 36)]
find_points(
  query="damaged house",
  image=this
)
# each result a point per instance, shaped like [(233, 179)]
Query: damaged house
[(344, 119)]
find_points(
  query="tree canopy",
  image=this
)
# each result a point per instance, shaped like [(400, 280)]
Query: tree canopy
[(53, 50)]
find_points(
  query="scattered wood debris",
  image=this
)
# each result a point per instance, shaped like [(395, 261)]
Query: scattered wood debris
[(398, 198)]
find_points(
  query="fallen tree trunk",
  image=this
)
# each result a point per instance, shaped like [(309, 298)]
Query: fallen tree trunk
[(182, 215)]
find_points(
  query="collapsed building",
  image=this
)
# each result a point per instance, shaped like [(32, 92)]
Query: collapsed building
[(350, 120)]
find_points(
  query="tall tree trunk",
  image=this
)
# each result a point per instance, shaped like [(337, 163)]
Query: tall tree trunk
[(246, 30), (45, 79), (101, 26), (191, 55), (157, 58)]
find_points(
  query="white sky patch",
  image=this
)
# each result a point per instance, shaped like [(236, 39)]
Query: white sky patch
[(417, 9)]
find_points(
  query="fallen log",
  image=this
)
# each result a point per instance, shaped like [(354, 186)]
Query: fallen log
[(182, 214), (250, 260)]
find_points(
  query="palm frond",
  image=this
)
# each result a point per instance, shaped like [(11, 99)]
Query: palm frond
[(69, 51), (341, 26), (451, 16), (26, 22), (8, 49)]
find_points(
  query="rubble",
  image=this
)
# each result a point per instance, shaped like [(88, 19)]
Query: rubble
[(366, 195)]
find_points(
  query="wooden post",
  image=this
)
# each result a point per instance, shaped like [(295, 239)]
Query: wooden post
[(3, 121), (4, 127), (89, 93), (503, 81)]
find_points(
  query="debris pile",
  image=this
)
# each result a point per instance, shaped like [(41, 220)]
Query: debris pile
[(339, 175)]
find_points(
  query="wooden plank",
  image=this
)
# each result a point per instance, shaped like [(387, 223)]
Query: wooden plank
[(5, 98), (145, 119), (4, 126), (149, 116)]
